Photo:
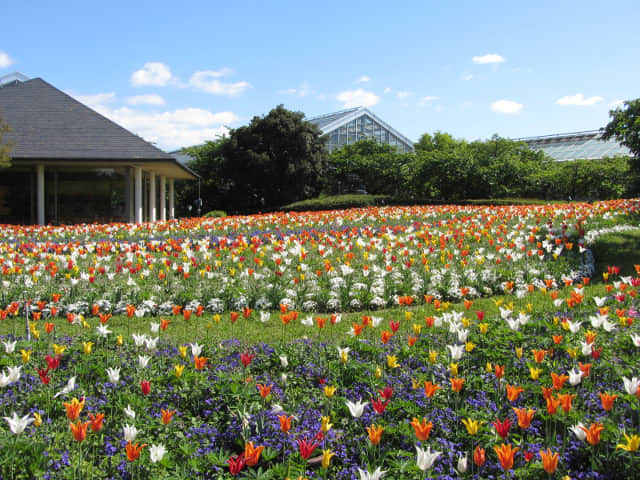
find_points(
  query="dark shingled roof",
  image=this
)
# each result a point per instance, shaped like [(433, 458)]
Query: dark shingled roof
[(46, 123)]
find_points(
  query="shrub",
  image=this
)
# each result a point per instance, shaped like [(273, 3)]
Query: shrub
[(215, 214), (337, 202)]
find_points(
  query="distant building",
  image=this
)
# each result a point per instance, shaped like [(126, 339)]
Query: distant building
[(69, 164), (576, 146), (349, 126)]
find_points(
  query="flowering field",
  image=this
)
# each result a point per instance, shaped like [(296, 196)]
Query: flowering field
[(543, 383)]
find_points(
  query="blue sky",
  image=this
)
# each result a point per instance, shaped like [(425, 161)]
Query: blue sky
[(180, 73)]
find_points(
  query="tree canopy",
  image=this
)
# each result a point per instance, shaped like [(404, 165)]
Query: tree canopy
[(625, 128), (5, 148)]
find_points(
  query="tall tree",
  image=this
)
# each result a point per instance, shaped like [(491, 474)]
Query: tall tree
[(625, 128), (275, 160), (5, 147)]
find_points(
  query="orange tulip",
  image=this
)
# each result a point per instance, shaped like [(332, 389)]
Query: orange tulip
[(547, 392), (524, 417), (430, 389), (285, 422), (457, 384), (559, 380), (479, 456), (265, 390), (79, 430), (513, 392), (200, 362), (74, 408), (167, 415), (499, 371), (505, 454), (375, 432), (593, 433), (252, 454), (422, 429), (96, 422), (552, 405), (538, 355), (549, 461), (133, 451), (565, 401), (607, 400), (386, 336)]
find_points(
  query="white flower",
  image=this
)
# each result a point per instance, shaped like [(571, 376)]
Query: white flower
[(426, 458), (377, 474), (307, 322), (14, 373), (635, 338), (375, 321), (284, 361), (138, 339), (275, 408), (4, 380), (113, 374), (17, 424), (600, 301), (196, 349), (130, 412), (283, 377), (456, 352), (523, 318), (463, 334), (574, 327), (103, 330), (143, 361), (155, 327), (597, 320), (578, 431), (264, 317), (343, 353), (356, 408), (575, 376), (514, 324), (151, 343), (631, 385), (130, 433), (608, 326), (463, 464), (9, 346), (157, 452), (71, 384), (338, 319), (586, 348)]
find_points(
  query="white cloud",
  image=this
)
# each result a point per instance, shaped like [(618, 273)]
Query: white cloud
[(363, 79), (5, 59), (302, 91), (578, 100), (506, 106), (357, 98), (208, 81), (467, 77), (387, 90), (168, 130), (427, 100), (155, 74), (403, 94), (616, 103), (148, 99), (489, 58)]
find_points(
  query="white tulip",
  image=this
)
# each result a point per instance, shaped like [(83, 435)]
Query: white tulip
[(356, 408), (113, 374), (17, 424), (426, 458), (130, 433), (157, 452)]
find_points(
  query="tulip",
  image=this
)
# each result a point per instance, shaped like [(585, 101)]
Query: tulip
[(479, 456), (505, 454), (633, 443), (524, 417), (306, 447), (285, 422), (549, 461), (236, 464), (430, 389), (558, 380), (329, 391), (199, 362), (37, 419), (607, 400), (631, 385), (463, 464), (17, 425), (178, 370), (246, 359), (74, 408), (579, 431), (513, 392), (422, 429), (379, 406), (79, 430), (96, 422), (502, 428), (113, 374), (156, 452), (593, 433), (167, 415), (252, 454), (133, 451), (565, 401), (377, 474), (145, 387), (426, 458), (375, 433), (472, 426), (130, 433), (326, 458), (356, 408), (392, 361), (325, 426), (457, 384)]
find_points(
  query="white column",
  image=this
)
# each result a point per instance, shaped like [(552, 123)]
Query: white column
[(163, 198), (152, 197), (138, 194), (40, 194), (172, 214)]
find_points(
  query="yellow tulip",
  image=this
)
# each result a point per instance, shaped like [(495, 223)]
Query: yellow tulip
[(433, 355), (417, 329), (183, 350), (26, 355), (119, 340), (59, 349), (633, 443), (392, 361), (378, 372), (329, 391), (178, 370), (38, 419), (325, 425), (87, 346), (326, 458), (473, 426), (469, 346), (454, 369), (483, 327), (535, 372), (519, 352)]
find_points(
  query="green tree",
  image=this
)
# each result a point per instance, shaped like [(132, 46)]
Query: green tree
[(5, 147), (275, 160), (625, 128)]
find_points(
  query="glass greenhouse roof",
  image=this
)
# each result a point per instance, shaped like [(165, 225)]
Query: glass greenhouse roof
[(575, 146)]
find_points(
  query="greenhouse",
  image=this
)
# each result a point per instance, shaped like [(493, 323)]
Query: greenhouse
[(576, 146)]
